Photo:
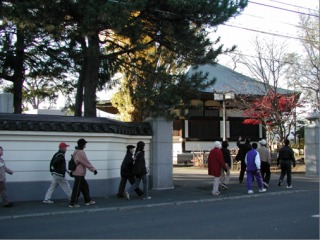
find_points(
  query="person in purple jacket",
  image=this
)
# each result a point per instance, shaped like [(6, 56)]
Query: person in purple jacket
[(253, 163)]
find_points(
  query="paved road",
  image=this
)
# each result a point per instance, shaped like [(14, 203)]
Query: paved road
[(186, 212), (287, 215)]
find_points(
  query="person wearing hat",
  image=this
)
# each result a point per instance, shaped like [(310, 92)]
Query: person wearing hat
[(265, 158), (80, 184), (126, 173), (58, 171), (140, 171), (215, 164)]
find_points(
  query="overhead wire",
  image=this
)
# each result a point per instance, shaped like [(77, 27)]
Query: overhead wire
[(264, 32), (292, 5), (285, 9), (263, 18)]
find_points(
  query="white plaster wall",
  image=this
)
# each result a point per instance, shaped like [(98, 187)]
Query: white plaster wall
[(29, 153), (312, 149)]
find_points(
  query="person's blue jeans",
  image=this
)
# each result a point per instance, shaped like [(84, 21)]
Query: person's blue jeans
[(144, 179), (285, 170)]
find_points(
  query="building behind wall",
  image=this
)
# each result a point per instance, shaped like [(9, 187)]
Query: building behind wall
[(208, 119)]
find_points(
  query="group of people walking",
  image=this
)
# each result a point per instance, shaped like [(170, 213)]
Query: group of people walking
[(254, 161), (58, 169), (133, 169)]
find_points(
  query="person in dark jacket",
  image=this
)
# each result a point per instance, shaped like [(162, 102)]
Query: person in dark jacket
[(285, 158), (243, 149), (140, 171), (58, 171), (126, 172), (225, 174)]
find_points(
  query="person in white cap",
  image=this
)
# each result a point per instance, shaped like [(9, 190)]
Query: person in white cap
[(265, 158), (58, 171), (215, 164)]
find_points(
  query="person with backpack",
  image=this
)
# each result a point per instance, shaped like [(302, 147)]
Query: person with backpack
[(58, 171), (80, 184), (140, 171)]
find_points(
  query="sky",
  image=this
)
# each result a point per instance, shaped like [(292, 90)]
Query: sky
[(266, 19)]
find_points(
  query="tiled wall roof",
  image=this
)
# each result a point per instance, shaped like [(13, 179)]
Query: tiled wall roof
[(49, 123)]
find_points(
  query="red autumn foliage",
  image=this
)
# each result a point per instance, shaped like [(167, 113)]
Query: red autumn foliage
[(263, 109)]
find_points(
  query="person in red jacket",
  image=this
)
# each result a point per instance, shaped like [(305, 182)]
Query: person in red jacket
[(215, 164)]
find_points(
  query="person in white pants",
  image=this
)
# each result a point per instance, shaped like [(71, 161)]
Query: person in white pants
[(58, 171), (215, 164)]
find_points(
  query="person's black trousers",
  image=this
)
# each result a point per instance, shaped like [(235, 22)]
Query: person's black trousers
[(80, 185)]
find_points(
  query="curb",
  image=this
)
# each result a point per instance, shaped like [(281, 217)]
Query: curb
[(175, 203)]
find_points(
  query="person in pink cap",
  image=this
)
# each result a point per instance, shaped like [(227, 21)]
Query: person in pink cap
[(58, 171)]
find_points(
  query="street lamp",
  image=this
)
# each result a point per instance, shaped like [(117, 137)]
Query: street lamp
[(223, 97)]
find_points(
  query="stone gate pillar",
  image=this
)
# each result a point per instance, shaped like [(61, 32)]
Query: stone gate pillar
[(312, 144), (161, 165)]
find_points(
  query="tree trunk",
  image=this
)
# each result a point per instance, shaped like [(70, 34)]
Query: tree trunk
[(18, 78), (79, 95), (91, 75)]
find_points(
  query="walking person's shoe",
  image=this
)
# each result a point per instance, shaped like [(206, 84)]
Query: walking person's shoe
[(289, 186), (265, 185), (279, 183), (47, 201), (74, 206), (224, 186), (250, 192), (216, 193), (146, 198), (262, 190), (127, 195), (90, 203), (10, 204)]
